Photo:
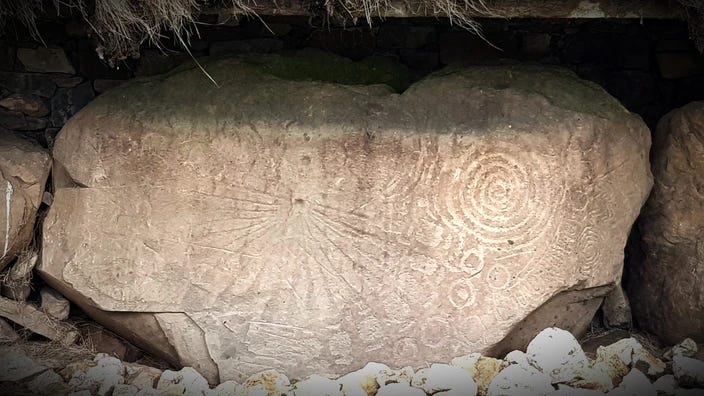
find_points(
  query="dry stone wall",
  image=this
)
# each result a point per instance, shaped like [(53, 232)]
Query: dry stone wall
[(651, 67)]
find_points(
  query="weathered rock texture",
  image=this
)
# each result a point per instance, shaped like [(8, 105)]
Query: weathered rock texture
[(16, 283), (24, 168), (667, 289), (312, 227)]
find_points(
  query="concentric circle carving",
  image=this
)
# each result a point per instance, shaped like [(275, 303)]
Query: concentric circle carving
[(462, 293), (406, 348), (505, 197), (436, 333), (589, 245), (498, 277)]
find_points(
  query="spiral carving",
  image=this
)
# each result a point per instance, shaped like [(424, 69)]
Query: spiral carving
[(589, 245), (406, 348), (504, 197)]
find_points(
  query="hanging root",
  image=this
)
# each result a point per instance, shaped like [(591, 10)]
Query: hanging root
[(122, 26), (24, 12), (459, 12)]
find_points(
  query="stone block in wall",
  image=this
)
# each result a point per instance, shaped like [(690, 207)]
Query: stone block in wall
[(12, 119), (673, 65), (68, 82), (536, 44), (28, 83), (312, 227), (353, 43), (16, 120), (219, 17), (27, 104), (277, 29), (45, 60), (45, 137), (76, 28), (420, 59), (152, 62), (7, 57), (688, 89), (400, 36), (24, 168), (467, 47), (675, 45), (34, 124), (611, 50), (198, 46), (68, 101), (102, 85), (634, 88), (235, 47)]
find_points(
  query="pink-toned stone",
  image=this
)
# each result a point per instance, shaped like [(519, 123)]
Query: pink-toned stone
[(667, 289), (311, 227)]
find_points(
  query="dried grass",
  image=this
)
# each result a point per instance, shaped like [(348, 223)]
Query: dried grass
[(19, 275), (122, 26), (24, 12), (54, 354), (457, 11), (650, 343)]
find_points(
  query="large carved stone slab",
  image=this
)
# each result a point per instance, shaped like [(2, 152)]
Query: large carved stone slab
[(667, 288), (312, 227)]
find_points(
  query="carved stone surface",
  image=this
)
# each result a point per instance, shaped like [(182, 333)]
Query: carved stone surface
[(313, 227), (24, 168), (667, 288)]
